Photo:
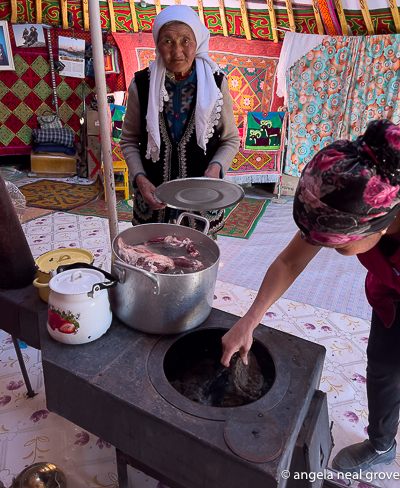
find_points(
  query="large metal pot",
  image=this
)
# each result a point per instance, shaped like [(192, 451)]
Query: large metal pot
[(163, 303)]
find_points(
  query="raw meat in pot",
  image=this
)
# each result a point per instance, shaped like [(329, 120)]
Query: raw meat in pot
[(188, 263), (177, 242), (141, 257)]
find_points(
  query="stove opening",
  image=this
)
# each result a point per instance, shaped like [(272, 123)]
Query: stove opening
[(192, 366)]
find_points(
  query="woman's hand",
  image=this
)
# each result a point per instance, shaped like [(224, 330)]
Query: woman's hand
[(212, 171), (147, 190), (238, 339), (280, 275)]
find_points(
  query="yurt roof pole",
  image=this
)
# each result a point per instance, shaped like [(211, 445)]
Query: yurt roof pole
[(105, 133)]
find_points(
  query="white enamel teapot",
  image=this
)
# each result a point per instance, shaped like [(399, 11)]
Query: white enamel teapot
[(78, 308)]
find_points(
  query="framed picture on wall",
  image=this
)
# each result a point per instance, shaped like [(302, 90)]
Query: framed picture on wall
[(29, 35), (6, 57)]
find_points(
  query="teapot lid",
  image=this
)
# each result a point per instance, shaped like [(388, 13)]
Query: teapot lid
[(74, 281)]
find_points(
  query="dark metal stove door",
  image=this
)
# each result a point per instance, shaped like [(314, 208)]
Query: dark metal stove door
[(313, 446)]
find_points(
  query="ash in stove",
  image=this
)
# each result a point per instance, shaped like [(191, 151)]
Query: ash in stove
[(193, 368), (211, 384)]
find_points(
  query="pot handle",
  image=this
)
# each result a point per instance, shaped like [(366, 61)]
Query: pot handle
[(38, 284), (151, 276), (194, 216), (112, 280)]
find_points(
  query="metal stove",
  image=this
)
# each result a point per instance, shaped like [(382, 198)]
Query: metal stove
[(118, 388)]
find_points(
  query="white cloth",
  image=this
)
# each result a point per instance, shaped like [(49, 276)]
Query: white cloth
[(209, 97), (294, 47)]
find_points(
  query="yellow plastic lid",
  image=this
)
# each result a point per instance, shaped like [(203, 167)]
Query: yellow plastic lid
[(60, 257)]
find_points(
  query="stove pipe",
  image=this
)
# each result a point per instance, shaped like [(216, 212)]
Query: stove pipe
[(17, 266)]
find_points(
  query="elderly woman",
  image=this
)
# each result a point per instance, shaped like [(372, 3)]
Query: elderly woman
[(179, 121), (348, 200)]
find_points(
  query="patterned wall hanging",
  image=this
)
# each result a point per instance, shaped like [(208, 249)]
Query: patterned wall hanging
[(263, 131), (27, 92), (254, 167), (336, 89), (257, 166), (250, 68), (259, 20), (117, 113), (251, 71)]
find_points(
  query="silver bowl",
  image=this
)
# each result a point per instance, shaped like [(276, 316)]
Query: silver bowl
[(40, 475)]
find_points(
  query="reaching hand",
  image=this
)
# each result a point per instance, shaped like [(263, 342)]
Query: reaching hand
[(238, 339), (147, 190)]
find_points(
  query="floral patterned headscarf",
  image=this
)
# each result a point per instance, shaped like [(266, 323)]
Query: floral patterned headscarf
[(350, 190)]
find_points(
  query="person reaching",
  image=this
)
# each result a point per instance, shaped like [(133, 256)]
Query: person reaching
[(348, 199)]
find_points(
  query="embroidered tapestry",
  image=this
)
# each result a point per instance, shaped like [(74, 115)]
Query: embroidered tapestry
[(336, 89), (249, 66), (259, 19), (116, 152), (329, 18), (28, 92), (252, 167), (251, 73), (263, 131), (117, 119)]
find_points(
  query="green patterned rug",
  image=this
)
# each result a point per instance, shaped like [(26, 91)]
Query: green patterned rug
[(242, 219)]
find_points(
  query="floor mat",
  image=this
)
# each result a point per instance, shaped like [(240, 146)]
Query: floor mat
[(330, 281), (30, 429), (14, 175), (33, 213), (242, 218), (98, 208), (57, 195)]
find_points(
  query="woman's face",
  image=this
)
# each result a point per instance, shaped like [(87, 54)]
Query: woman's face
[(177, 47)]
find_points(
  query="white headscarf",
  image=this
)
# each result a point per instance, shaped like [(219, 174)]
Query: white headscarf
[(209, 97)]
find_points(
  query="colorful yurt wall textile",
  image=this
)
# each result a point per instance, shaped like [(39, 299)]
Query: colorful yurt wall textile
[(336, 89), (329, 18), (250, 68), (256, 14), (27, 92)]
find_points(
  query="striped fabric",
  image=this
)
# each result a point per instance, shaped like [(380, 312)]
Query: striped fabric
[(328, 14)]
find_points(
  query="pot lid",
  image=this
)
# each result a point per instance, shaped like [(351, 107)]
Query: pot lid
[(74, 281), (57, 257), (197, 194)]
